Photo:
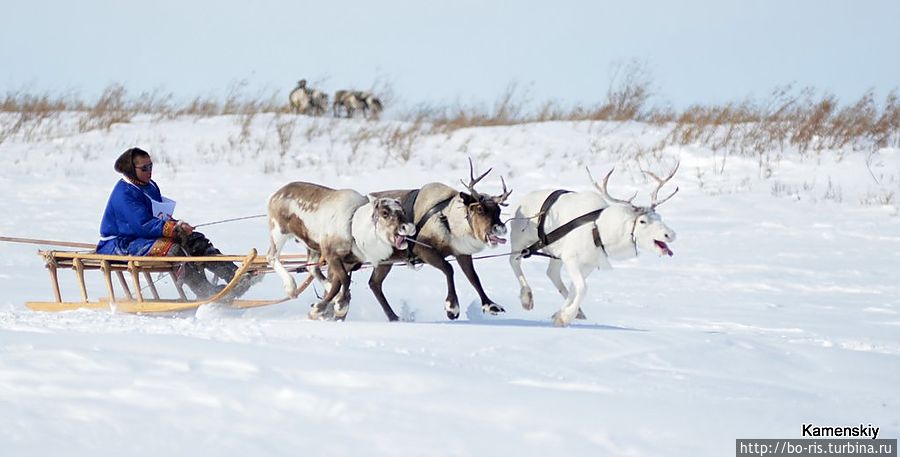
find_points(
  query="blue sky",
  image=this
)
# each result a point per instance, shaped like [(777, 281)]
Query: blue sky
[(467, 51)]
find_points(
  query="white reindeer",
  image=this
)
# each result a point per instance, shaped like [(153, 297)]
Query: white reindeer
[(603, 227), (341, 227)]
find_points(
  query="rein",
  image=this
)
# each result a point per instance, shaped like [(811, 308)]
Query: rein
[(230, 220)]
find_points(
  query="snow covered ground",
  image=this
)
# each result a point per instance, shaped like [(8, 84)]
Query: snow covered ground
[(780, 307)]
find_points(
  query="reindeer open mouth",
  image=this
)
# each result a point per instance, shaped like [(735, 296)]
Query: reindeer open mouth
[(494, 240), (400, 242), (663, 248)]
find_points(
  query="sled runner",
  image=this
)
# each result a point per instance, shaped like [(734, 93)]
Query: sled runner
[(132, 298)]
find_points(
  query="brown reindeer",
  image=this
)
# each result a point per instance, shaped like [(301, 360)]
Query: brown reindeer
[(351, 101), (341, 227), (448, 222)]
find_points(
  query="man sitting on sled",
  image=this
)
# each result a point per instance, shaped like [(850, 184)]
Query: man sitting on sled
[(138, 221)]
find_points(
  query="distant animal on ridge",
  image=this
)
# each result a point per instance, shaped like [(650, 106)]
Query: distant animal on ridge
[(348, 102), (305, 100)]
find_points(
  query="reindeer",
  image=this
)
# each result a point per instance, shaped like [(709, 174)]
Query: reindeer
[(341, 227), (581, 231), (299, 98), (351, 101), (308, 101), (344, 99), (318, 102), (448, 222)]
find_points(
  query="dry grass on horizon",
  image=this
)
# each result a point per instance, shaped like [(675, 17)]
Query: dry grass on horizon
[(806, 119)]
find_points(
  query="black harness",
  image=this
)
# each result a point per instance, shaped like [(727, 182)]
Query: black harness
[(408, 202), (546, 239)]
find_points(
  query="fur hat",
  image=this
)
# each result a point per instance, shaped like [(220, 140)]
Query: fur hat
[(125, 162)]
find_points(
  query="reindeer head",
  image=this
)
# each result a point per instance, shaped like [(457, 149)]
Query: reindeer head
[(374, 105), (648, 231), (483, 211), (390, 223)]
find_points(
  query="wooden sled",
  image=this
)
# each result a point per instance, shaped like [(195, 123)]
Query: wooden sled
[(137, 267)]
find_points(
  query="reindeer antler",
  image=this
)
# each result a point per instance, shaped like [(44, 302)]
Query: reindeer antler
[(501, 199), (654, 201), (473, 180), (602, 188)]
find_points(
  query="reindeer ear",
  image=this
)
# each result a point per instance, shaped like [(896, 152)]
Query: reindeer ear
[(372, 199), (467, 199)]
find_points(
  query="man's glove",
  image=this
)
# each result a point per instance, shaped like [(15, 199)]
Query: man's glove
[(183, 230)]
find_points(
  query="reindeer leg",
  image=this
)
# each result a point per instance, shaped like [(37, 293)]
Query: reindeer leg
[(276, 244), (342, 303), (314, 260), (573, 302), (451, 304), (554, 268), (487, 305), (553, 272), (337, 276), (525, 294), (375, 283), (313, 257), (320, 310), (580, 315)]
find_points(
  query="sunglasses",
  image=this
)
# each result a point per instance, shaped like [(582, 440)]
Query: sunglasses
[(146, 168)]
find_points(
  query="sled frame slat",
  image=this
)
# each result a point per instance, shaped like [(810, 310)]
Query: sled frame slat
[(104, 265), (136, 279), (124, 285), (151, 285), (178, 286), (54, 281), (79, 274)]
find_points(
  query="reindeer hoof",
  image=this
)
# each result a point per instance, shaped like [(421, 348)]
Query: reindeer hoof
[(291, 292), (560, 319), (492, 308), (580, 315), (452, 310), (340, 313), (527, 299), (316, 313)]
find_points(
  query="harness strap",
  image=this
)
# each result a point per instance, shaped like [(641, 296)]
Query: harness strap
[(597, 241), (437, 208), (408, 202), (548, 202), (546, 239)]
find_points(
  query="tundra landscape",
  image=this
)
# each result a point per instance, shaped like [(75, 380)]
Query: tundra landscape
[(779, 305)]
